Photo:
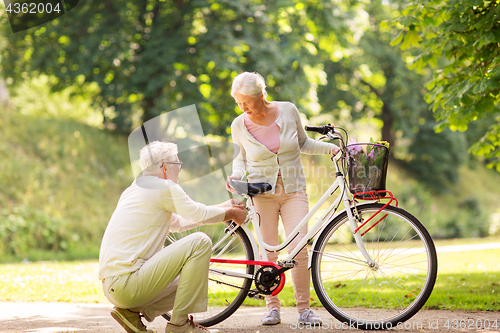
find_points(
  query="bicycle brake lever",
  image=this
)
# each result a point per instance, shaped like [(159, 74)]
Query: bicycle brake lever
[(323, 137)]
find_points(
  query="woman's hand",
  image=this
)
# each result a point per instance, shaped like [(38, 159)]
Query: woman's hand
[(335, 150), (236, 177), (233, 203), (238, 204)]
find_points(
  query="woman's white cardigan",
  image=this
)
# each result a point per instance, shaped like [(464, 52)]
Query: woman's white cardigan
[(262, 164)]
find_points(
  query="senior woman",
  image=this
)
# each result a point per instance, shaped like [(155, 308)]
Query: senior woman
[(270, 137)]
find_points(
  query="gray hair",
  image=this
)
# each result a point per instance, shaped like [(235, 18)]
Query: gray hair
[(249, 84), (155, 153)]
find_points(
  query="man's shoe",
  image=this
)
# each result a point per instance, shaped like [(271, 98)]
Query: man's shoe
[(130, 321), (271, 318), (309, 316), (188, 327)]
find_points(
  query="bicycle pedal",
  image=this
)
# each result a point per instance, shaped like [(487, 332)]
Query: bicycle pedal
[(255, 295), (287, 263)]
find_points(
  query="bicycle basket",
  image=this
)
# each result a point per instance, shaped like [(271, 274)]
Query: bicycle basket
[(367, 168)]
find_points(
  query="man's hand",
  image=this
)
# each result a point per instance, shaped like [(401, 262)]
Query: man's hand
[(237, 213)]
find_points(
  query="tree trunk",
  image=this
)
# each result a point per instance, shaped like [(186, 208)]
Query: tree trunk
[(387, 130), (147, 105)]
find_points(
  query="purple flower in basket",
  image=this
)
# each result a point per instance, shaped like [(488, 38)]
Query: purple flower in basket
[(371, 155), (365, 162), (353, 147)]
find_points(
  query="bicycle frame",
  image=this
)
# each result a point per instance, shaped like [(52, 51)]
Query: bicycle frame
[(370, 282), (260, 246)]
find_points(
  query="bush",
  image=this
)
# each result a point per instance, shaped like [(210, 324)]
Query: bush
[(436, 158), (60, 183), (468, 221), (24, 228), (460, 213)]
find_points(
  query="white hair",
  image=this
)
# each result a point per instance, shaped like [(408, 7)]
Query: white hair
[(155, 153), (249, 84)]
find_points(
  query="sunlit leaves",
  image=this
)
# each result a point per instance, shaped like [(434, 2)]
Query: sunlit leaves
[(149, 57), (460, 40)]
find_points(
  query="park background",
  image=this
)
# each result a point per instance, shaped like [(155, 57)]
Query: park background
[(423, 76)]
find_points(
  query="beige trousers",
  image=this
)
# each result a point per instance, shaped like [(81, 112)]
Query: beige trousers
[(174, 278), (292, 207)]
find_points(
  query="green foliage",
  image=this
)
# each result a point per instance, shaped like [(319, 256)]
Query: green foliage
[(33, 97), (470, 221), (466, 209), (435, 158), (24, 228), (159, 56), (137, 60), (460, 41), (150, 57), (374, 81), (60, 183)]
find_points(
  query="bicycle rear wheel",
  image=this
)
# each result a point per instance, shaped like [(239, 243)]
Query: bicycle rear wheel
[(226, 291), (387, 294)]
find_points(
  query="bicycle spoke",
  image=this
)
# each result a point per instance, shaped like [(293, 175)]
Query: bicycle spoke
[(351, 260), (403, 272)]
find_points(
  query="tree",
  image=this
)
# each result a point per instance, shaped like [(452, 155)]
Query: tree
[(459, 40), (374, 81), (153, 56)]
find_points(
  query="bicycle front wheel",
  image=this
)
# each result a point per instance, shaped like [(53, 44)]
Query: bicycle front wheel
[(375, 296), (228, 284)]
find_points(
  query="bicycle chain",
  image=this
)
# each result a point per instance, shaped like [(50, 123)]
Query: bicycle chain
[(262, 286)]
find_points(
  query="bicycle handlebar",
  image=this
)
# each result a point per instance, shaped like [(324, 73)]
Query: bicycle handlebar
[(319, 129), (328, 131)]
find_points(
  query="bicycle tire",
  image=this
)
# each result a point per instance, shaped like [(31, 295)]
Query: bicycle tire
[(225, 293), (380, 297)]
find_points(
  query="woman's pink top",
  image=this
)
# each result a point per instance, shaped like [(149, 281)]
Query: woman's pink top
[(269, 136)]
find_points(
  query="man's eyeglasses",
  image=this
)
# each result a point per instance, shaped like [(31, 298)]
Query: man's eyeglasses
[(179, 164)]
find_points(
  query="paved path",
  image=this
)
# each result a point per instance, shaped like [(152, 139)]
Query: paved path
[(72, 317)]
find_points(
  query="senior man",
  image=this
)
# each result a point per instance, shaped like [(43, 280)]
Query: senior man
[(140, 276)]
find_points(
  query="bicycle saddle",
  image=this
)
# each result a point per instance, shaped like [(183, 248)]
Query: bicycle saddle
[(252, 189)]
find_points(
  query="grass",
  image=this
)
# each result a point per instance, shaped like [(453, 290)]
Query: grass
[(466, 280), (51, 282), (470, 291)]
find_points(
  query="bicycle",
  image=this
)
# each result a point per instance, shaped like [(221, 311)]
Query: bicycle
[(381, 277)]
